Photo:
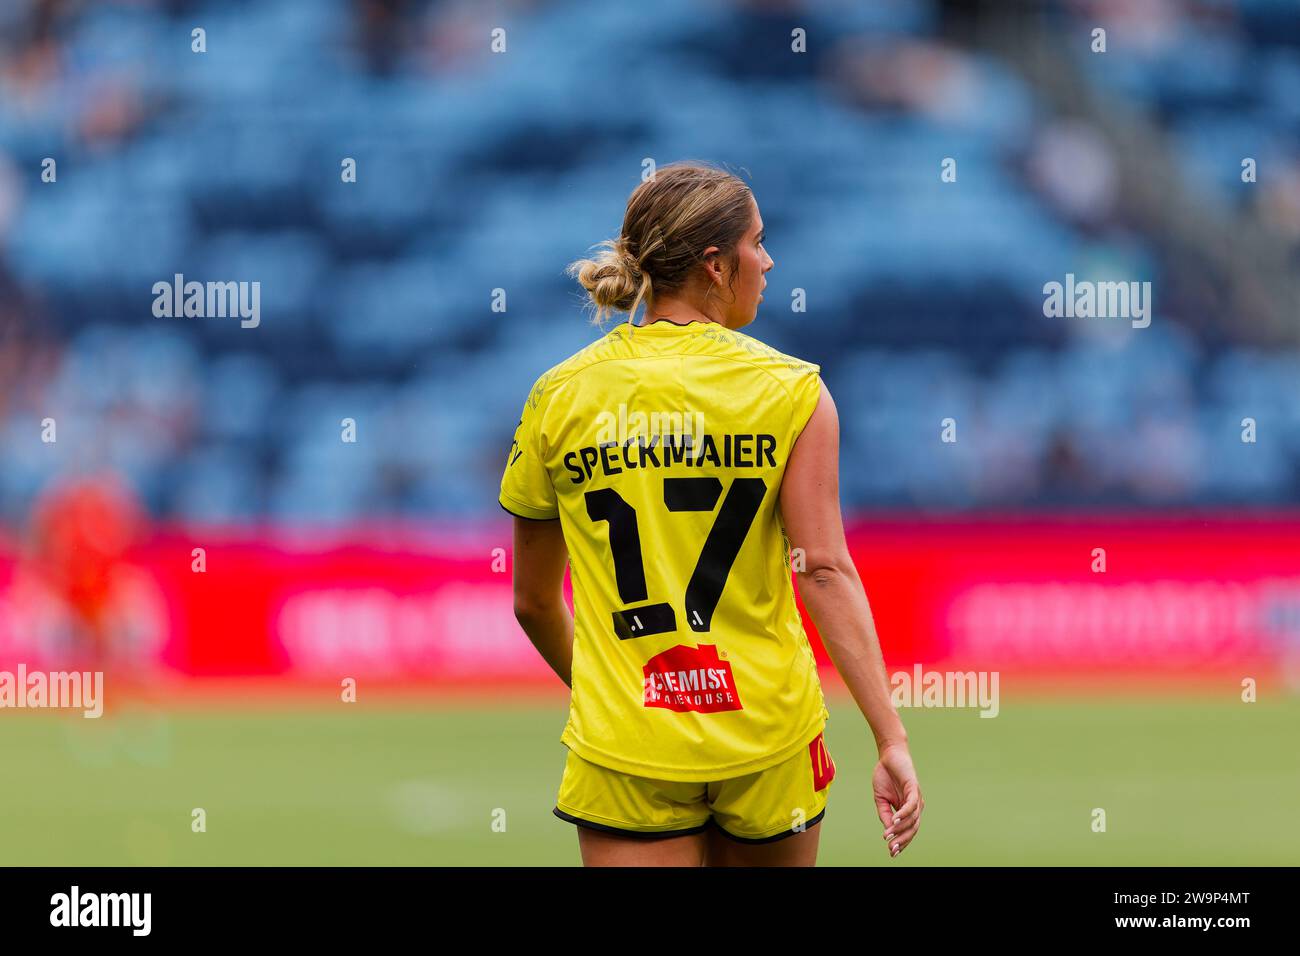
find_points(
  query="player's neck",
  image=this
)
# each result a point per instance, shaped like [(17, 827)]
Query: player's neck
[(675, 311)]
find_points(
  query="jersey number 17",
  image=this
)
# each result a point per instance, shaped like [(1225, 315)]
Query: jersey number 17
[(704, 589)]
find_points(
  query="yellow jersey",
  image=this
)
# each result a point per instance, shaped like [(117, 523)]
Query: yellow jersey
[(661, 448)]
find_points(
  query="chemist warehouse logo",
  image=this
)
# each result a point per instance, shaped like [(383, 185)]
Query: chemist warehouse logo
[(690, 679)]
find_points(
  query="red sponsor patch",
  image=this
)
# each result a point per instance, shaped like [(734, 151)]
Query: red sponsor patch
[(690, 679), (823, 767)]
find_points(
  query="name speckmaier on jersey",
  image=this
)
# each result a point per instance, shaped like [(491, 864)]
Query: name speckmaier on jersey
[(727, 451)]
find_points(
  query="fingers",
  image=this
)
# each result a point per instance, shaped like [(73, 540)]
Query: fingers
[(902, 820), (899, 824), (911, 799), (909, 809), (901, 839), (900, 831), (884, 809)]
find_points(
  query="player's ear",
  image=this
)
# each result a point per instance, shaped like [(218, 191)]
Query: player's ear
[(713, 263)]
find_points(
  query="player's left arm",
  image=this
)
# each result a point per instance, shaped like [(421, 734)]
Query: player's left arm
[(540, 559)]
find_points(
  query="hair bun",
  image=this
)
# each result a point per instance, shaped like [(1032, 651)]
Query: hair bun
[(613, 278), (633, 267)]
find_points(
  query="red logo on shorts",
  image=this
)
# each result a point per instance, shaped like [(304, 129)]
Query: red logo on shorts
[(690, 678), (823, 767)]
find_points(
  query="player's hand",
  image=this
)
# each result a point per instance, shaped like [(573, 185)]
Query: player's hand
[(898, 797)]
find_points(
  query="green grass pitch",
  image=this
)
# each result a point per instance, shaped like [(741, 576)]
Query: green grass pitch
[(1182, 781)]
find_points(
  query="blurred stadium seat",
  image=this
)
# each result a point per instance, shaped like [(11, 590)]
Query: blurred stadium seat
[(226, 165)]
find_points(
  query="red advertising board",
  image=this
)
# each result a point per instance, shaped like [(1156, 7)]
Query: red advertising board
[(1164, 594)]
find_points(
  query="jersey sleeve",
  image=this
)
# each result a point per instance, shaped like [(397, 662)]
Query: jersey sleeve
[(805, 390), (526, 488)]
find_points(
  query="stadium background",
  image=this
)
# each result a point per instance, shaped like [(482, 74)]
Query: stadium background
[(480, 175)]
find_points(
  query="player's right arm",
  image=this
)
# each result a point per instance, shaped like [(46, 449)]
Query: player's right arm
[(540, 553), (836, 601), (540, 557)]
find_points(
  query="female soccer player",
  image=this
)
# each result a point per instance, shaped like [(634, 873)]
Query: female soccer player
[(673, 463)]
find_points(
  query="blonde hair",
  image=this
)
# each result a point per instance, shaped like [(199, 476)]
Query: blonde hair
[(670, 220)]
